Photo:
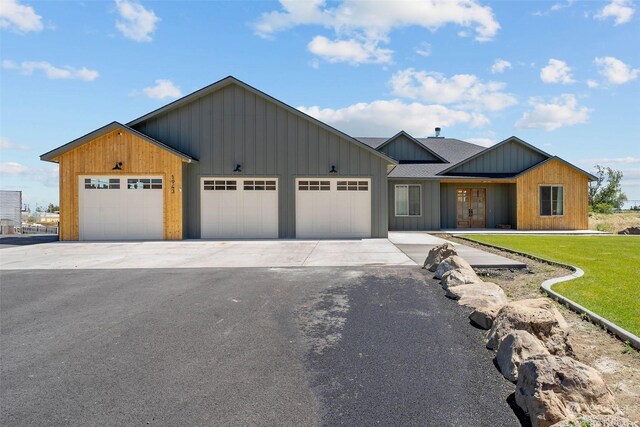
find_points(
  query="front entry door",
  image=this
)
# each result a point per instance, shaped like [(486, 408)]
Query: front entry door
[(470, 207)]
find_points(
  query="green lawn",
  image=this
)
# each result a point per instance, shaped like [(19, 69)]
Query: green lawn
[(610, 286)]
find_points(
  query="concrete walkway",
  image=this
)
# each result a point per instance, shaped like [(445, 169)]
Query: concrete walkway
[(203, 254), (418, 244)]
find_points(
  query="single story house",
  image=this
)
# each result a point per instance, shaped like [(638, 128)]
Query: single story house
[(229, 161)]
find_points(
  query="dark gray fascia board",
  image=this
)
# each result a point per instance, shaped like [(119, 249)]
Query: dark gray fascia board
[(232, 80), (493, 147), (415, 141), (49, 156), (452, 178), (574, 167)]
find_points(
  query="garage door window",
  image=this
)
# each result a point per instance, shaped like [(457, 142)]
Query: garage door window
[(220, 184), (102, 183), (408, 200), (260, 185), (353, 186), (144, 184), (314, 185)]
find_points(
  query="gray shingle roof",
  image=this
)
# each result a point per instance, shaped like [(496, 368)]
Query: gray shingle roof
[(453, 150)]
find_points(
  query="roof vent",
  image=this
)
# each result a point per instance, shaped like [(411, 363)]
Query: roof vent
[(437, 132)]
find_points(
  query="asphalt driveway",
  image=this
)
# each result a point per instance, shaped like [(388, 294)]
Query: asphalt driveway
[(261, 346)]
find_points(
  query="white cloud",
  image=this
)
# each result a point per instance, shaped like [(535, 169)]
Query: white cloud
[(386, 117), (561, 111), (136, 22), (592, 84), (13, 168), (485, 142), (424, 49), (616, 71), (555, 8), (465, 91), (162, 90), (17, 172), (556, 72), (52, 72), (5, 144), (19, 18), (612, 160), (351, 51), (621, 10), (500, 66), (369, 23)]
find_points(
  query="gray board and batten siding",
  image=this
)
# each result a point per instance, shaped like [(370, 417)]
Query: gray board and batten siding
[(500, 204), (234, 124), (429, 218), (510, 157), (403, 149)]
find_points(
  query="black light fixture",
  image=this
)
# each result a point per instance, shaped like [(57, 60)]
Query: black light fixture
[(238, 168), (333, 169), (117, 167)]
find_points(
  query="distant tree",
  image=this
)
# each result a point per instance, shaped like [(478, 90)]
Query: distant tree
[(52, 208), (605, 193)]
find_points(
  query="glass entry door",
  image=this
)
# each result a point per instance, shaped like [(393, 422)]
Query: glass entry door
[(470, 207)]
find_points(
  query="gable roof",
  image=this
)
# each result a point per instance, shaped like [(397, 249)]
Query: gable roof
[(415, 141), (232, 80), (451, 149), (577, 169), (51, 155), (494, 147)]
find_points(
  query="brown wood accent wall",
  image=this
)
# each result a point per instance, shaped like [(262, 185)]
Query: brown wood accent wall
[(576, 202), (138, 157)]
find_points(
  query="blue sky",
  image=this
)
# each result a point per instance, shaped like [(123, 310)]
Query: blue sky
[(564, 76)]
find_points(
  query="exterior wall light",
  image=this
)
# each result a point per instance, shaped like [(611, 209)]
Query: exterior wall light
[(238, 168), (117, 167), (333, 169)]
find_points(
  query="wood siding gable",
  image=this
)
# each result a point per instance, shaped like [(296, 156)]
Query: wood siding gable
[(139, 157), (575, 189)]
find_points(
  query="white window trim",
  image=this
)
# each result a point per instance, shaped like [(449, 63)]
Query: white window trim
[(394, 200), (564, 208)]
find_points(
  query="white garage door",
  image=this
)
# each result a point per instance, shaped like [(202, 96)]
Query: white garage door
[(238, 208), (120, 207), (333, 208)]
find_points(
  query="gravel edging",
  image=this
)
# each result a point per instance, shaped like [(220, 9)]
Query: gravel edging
[(621, 333)]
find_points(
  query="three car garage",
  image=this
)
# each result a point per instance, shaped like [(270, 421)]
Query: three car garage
[(225, 162)]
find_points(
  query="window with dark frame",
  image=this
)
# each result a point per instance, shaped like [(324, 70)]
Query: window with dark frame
[(314, 185), (353, 185), (144, 184), (259, 185), (408, 200), (102, 183), (220, 184), (551, 200)]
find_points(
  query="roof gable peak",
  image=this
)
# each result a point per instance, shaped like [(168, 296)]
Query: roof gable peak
[(413, 140)]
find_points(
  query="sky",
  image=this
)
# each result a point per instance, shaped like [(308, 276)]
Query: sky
[(563, 76)]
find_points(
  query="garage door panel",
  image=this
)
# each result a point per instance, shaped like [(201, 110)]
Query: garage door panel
[(239, 208), (109, 209), (334, 208)]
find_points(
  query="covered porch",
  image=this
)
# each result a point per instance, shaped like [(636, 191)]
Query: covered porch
[(482, 204)]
